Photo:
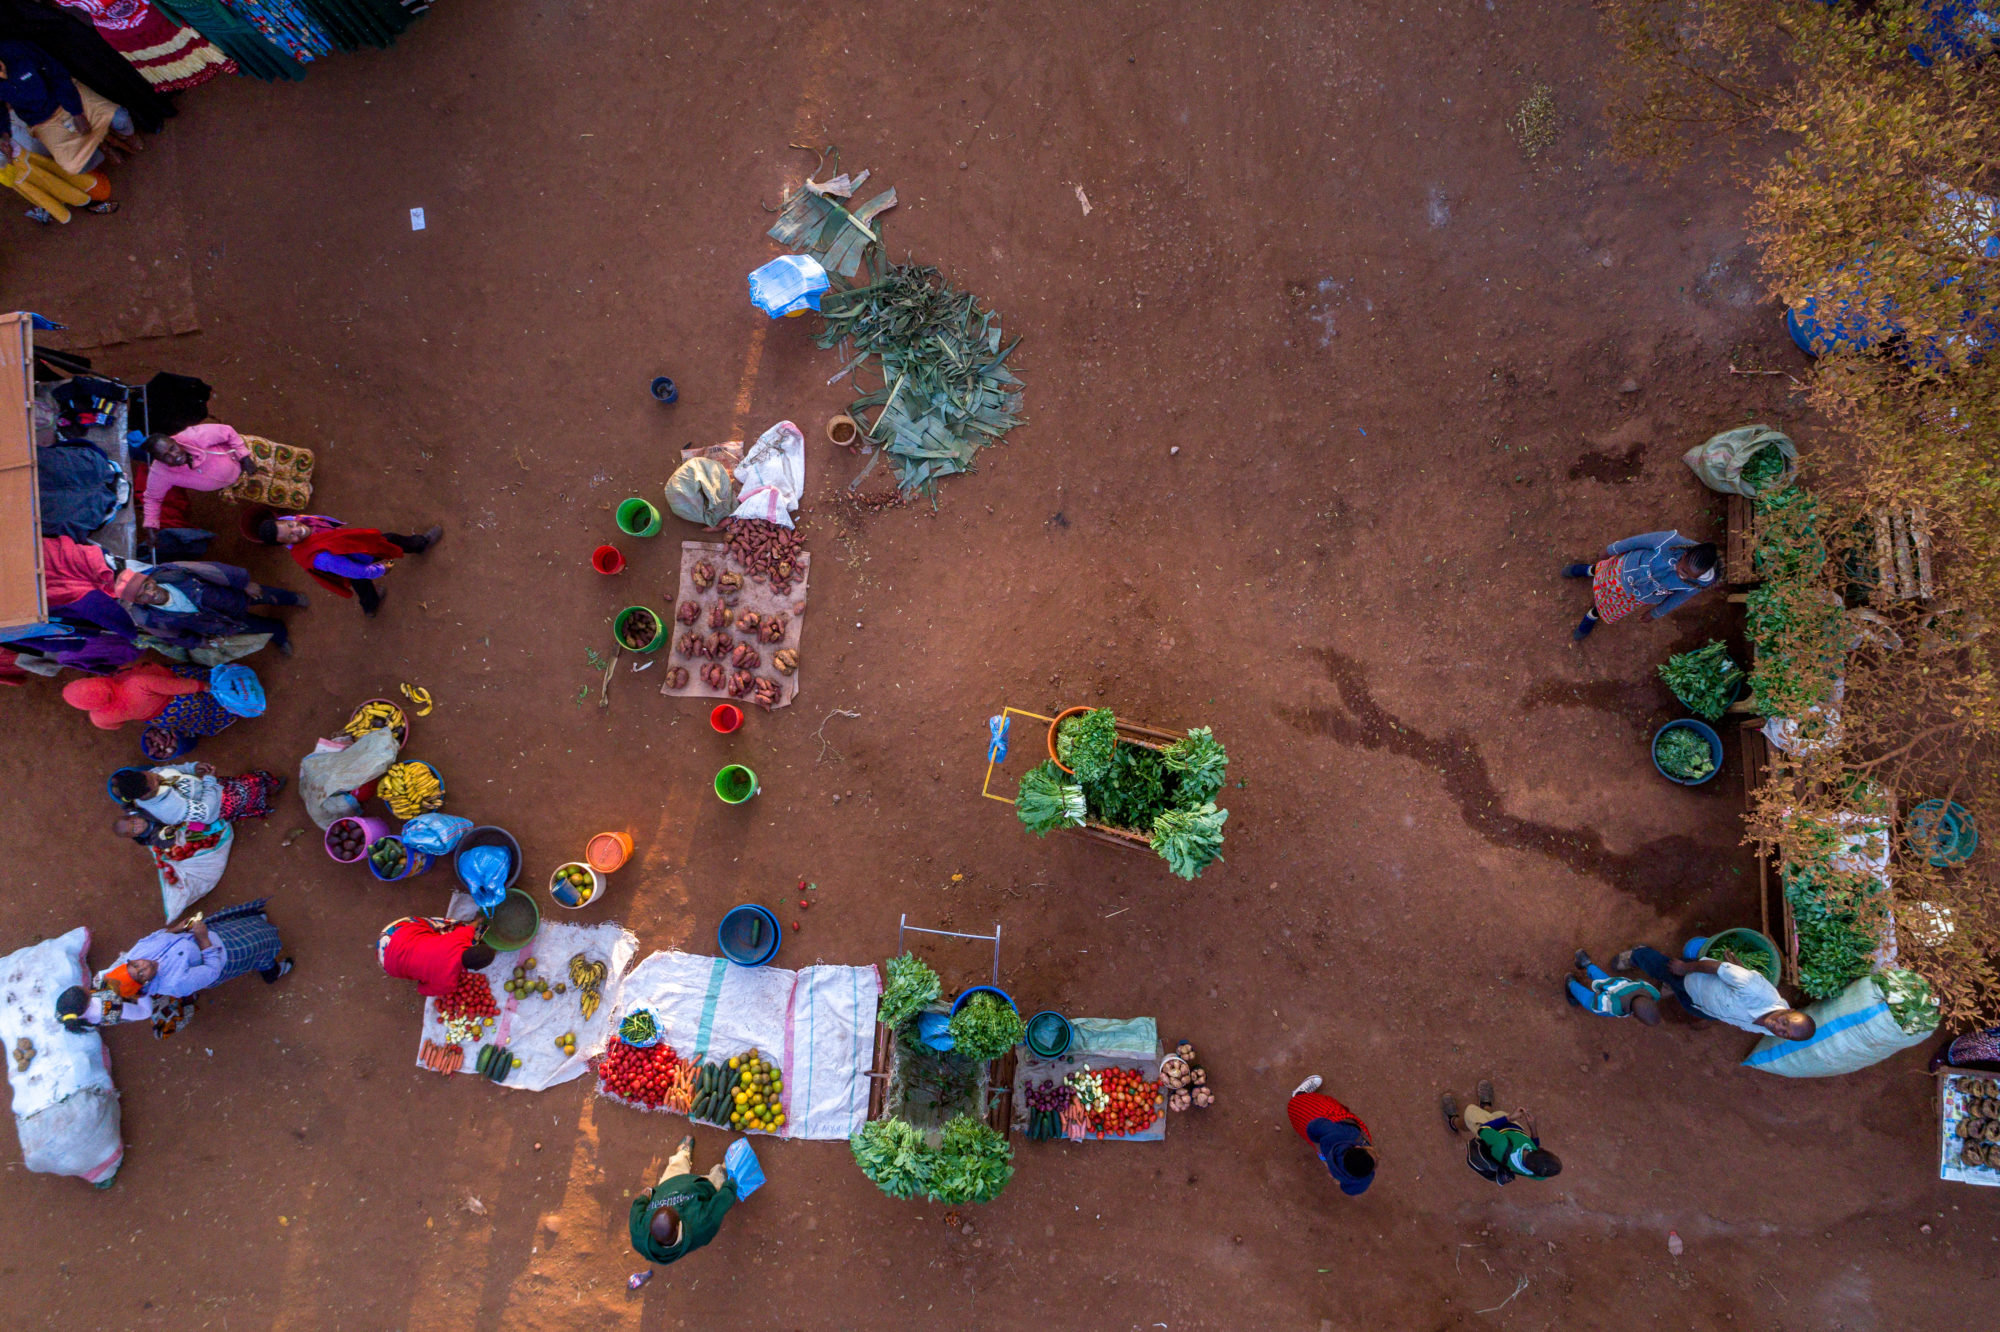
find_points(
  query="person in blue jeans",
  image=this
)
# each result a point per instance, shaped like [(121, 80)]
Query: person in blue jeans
[(1612, 996), (1721, 990)]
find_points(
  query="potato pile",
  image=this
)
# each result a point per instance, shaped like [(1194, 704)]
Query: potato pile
[(1186, 1079), (1979, 1125)]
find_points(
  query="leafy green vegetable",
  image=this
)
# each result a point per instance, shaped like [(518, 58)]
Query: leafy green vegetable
[(1910, 999), (1795, 620), (1704, 679), (1048, 800), (1189, 840), (1684, 754), (1765, 466), (1085, 743), (1835, 916), (894, 1156), (911, 986), (1200, 760), (972, 1163), (986, 1028), (1132, 791)]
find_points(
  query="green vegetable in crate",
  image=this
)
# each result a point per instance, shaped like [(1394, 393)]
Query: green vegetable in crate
[(911, 986), (1085, 743), (1684, 753), (1200, 761), (637, 1027), (1836, 917), (1049, 800), (1189, 840), (985, 1028), (1132, 791), (1705, 679), (973, 1163)]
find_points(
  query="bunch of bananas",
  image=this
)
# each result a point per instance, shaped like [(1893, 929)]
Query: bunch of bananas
[(421, 697), (410, 789), (373, 717), (588, 977)]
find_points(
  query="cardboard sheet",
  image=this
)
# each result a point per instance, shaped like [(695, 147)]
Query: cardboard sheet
[(756, 596)]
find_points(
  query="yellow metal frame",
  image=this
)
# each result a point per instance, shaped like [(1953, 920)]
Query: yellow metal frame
[(986, 787)]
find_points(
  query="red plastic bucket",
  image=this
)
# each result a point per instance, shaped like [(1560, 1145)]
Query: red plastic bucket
[(725, 718), (608, 560), (371, 831)]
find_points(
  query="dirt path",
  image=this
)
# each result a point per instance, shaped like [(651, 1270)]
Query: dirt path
[(1408, 373)]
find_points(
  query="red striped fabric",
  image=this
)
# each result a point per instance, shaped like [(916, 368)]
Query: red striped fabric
[(1304, 1108)]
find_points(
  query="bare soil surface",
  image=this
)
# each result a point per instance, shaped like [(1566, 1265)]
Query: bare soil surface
[(1409, 372)]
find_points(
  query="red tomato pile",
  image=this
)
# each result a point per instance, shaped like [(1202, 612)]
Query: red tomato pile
[(472, 997), (1131, 1104), (638, 1075)]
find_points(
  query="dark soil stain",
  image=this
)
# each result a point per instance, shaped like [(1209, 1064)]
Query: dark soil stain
[(1643, 703), (1616, 468), (1672, 874)]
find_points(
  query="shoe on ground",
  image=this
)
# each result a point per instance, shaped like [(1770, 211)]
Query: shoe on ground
[(432, 535), (40, 215), (1576, 571), (1622, 962), (284, 970), (1582, 630), (108, 206), (1484, 1094), (687, 1141), (1311, 1084), (1582, 959), (1448, 1105)]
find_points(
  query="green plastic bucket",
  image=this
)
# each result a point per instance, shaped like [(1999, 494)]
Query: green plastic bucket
[(513, 924), (625, 616), (637, 517), (1745, 938), (735, 784)]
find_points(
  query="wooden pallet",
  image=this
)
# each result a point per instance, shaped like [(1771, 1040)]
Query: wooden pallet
[(1758, 757), (1902, 555), (1738, 564)]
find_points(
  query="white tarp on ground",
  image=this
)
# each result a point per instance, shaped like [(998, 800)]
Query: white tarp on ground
[(529, 1027), (817, 1025)]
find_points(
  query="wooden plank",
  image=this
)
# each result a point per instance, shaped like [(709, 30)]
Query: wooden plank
[(1738, 560), (1885, 558), (1906, 575), (1920, 534), (23, 598)]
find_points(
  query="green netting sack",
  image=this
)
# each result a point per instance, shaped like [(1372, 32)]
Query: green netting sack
[(702, 491), (1722, 461)]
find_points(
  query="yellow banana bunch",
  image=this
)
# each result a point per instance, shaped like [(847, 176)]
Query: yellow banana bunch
[(588, 977), (373, 717), (419, 696), (410, 789)]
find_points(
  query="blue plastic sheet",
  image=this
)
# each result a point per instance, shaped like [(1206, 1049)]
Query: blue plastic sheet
[(484, 870), (437, 834)]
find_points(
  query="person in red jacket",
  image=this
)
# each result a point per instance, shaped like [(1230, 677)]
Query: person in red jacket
[(434, 953), (1338, 1136), (344, 560)]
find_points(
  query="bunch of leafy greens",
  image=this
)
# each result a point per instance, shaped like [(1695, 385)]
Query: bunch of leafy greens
[(1200, 761), (1911, 1000), (1048, 800), (1765, 466), (971, 1165), (1085, 744), (1704, 680), (1684, 754), (1132, 791), (1835, 915), (1796, 621), (1189, 840), (985, 1028), (894, 1156), (911, 986)]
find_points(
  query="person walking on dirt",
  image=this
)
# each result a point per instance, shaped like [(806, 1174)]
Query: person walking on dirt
[(1724, 991), (1337, 1135), (344, 560), (432, 952), (1501, 1149), (1657, 569), (1612, 996), (683, 1211)]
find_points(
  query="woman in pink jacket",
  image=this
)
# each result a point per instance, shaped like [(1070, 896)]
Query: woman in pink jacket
[(211, 456)]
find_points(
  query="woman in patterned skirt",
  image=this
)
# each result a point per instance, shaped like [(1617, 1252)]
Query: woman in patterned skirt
[(159, 976), (1657, 569), (169, 56)]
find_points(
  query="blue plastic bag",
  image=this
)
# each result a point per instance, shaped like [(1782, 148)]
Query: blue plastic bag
[(999, 726), (743, 1168), (934, 1030), (788, 284), (484, 870), (437, 834)]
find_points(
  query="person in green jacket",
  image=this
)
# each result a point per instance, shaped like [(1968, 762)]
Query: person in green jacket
[(683, 1211), (1500, 1149)]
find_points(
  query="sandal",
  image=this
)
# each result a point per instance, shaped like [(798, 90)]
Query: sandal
[(1449, 1105), (1484, 1094)]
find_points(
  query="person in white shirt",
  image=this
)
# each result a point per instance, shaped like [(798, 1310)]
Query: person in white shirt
[(1723, 991)]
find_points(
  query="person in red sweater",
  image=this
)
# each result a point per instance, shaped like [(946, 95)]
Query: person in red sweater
[(344, 560), (1337, 1135), (434, 953)]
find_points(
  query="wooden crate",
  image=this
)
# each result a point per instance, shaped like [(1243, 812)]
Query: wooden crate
[(1738, 566)]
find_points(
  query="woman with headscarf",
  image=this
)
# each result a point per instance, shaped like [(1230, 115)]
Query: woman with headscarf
[(192, 794), (137, 693), (174, 965)]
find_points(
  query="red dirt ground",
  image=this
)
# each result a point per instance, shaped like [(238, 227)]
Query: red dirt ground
[(1408, 372)]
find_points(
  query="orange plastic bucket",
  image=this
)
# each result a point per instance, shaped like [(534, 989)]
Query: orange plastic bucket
[(608, 851)]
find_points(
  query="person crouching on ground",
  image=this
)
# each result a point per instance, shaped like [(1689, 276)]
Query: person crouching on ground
[(1500, 1149), (345, 560), (432, 952), (1657, 569), (211, 456), (1722, 990), (683, 1211), (1337, 1134), (70, 120), (1612, 996)]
